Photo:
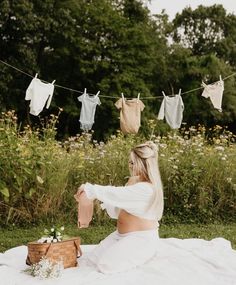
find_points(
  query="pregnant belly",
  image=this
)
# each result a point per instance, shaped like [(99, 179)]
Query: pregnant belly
[(129, 223)]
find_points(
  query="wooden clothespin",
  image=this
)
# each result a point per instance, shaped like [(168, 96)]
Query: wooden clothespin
[(138, 97), (53, 81)]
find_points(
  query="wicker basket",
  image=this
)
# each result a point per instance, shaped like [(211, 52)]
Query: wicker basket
[(67, 251)]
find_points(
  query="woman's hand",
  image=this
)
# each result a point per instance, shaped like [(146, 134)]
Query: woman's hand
[(79, 191)]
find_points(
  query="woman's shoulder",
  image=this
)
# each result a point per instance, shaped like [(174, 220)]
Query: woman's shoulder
[(145, 186)]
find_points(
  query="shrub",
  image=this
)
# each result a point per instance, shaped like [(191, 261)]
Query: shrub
[(39, 175)]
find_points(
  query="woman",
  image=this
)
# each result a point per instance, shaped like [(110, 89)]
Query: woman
[(138, 206)]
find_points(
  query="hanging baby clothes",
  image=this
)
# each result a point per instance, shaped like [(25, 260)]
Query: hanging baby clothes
[(88, 109), (39, 93), (85, 210), (172, 109), (130, 114), (215, 92)]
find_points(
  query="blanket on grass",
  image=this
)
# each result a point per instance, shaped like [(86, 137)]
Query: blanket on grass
[(177, 262)]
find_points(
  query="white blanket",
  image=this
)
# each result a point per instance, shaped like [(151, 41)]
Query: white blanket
[(177, 262)]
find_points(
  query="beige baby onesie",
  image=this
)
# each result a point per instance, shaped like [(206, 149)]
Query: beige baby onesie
[(130, 114)]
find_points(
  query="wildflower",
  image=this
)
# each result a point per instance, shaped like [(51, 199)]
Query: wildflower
[(39, 179), (220, 148)]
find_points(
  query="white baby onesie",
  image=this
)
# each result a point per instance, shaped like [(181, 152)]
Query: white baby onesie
[(39, 93), (172, 109), (88, 109), (215, 92)]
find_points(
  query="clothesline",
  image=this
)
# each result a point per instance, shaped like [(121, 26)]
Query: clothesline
[(114, 97)]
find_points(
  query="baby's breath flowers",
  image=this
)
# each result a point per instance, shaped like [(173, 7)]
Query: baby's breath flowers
[(45, 269), (54, 235)]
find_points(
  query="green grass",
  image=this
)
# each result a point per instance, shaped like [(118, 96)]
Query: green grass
[(11, 237)]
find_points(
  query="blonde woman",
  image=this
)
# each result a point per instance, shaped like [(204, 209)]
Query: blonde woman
[(138, 207)]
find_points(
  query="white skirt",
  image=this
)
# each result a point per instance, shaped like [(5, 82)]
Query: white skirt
[(121, 252)]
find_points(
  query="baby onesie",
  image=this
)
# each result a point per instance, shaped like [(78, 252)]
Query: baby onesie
[(89, 104), (172, 109), (215, 92), (130, 114), (39, 93)]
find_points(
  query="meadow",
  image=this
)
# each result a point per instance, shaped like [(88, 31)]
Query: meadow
[(39, 175)]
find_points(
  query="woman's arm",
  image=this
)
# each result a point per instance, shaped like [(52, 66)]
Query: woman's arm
[(129, 198)]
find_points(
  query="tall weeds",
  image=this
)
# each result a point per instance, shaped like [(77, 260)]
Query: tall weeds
[(39, 175)]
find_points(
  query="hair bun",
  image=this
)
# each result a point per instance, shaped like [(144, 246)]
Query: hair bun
[(152, 145), (146, 150)]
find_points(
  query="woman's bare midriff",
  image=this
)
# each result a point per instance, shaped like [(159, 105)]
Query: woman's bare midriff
[(129, 223)]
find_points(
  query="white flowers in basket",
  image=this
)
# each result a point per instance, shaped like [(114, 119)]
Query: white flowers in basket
[(54, 235), (45, 269)]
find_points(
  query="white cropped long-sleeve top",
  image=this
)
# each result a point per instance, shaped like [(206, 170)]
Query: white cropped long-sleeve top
[(135, 199)]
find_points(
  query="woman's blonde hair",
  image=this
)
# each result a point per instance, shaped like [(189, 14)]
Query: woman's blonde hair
[(145, 164)]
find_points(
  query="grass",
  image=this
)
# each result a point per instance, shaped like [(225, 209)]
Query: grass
[(12, 237)]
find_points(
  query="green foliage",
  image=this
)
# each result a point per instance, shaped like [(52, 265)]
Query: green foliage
[(115, 46), (40, 175)]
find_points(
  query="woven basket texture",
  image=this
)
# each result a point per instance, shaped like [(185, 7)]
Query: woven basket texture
[(66, 251)]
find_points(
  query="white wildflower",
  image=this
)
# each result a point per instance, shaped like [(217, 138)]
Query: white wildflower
[(39, 179), (220, 148)]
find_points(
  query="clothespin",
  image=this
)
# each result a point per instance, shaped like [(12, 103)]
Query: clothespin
[(179, 91), (53, 81), (163, 93), (122, 96), (85, 90), (138, 97), (97, 93), (220, 78), (36, 75)]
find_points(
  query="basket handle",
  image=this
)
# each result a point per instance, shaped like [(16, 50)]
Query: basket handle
[(76, 243), (28, 261), (48, 249)]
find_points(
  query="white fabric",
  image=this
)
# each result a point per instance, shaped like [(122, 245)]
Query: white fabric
[(135, 199), (177, 262), (39, 93), (88, 109), (172, 109), (215, 92), (118, 252)]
